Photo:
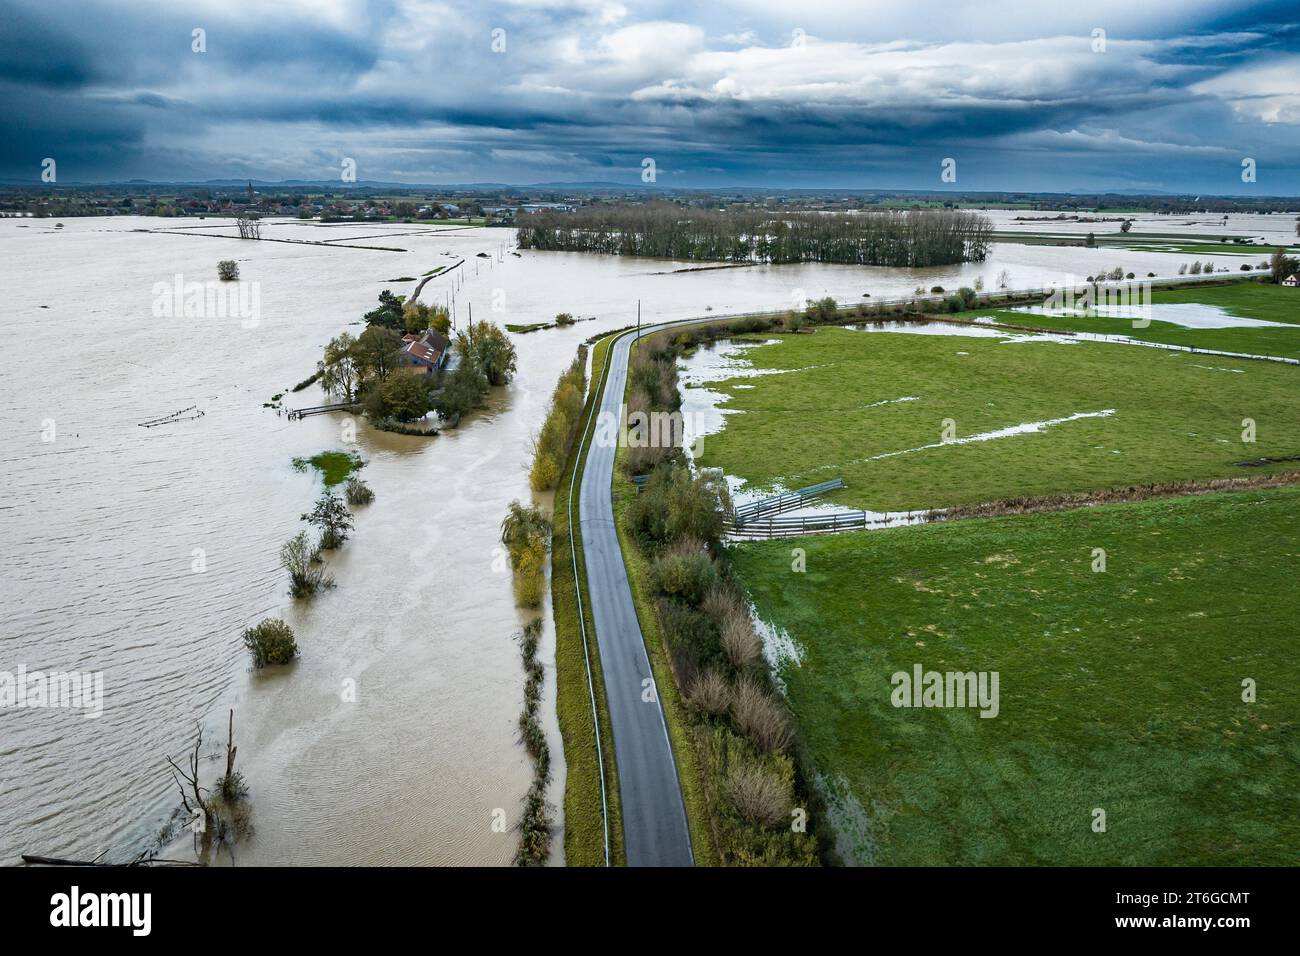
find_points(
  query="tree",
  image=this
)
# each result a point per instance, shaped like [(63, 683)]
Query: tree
[(1283, 265), (488, 346), (465, 391), (1126, 225), (375, 352), (249, 228), (339, 375), (389, 312), (403, 397), (227, 270), (331, 515), (417, 317), (1090, 241), (526, 533)]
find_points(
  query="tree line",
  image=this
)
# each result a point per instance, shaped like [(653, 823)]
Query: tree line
[(918, 237)]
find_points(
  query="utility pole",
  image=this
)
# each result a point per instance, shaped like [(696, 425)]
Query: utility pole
[(638, 318)]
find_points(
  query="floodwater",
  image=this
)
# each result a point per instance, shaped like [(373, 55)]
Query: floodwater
[(142, 553)]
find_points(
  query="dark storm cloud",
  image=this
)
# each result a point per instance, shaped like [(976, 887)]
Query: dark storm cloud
[(585, 89)]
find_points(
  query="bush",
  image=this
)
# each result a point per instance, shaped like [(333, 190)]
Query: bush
[(686, 572), (674, 504), (710, 694), (271, 642), (689, 632), (227, 270), (564, 319), (526, 533), (302, 561), (761, 717), (358, 492), (759, 796), (739, 642), (529, 564)]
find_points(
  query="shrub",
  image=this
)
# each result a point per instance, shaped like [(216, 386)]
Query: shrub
[(674, 504), (710, 693), (563, 319), (721, 602), (688, 631), (686, 572), (358, 492), (227, 270), (761, 717), (739, 642), (271, 642), (526, 533), (302, 561), (529, 564), (761, 797)]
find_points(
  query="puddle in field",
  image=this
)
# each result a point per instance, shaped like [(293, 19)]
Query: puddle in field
[(964, 331), (1189, 315), (855, 841), (702, 407), (779, 648)]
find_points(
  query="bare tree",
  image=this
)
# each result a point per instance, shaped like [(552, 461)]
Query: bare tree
[(249, 228)]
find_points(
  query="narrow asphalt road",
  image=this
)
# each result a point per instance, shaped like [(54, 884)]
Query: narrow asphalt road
[(654, 816)]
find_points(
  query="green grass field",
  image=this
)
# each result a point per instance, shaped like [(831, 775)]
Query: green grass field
[(836, 405), (1119, 690), (1251, 300)]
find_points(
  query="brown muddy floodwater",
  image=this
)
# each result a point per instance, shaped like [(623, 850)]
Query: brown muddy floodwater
[(142, 553)]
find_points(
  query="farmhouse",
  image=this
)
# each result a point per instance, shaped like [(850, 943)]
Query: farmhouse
[(1292, 280), (423, 354)]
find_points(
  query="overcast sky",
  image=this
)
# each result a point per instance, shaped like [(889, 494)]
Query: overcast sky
[(848, 93)]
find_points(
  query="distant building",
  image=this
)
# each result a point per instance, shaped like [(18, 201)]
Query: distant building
[(1292, 280), (423, 354)]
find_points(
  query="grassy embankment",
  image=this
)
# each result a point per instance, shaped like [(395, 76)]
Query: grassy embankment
[(836, 406), (1120, 690), (1250, 300), (584, 838)]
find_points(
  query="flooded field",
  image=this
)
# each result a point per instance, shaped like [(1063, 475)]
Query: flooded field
[(143, 552)]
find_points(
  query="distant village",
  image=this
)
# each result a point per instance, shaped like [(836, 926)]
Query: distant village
[(342, 205)]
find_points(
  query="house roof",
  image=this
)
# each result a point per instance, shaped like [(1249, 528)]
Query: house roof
[(428, 348)]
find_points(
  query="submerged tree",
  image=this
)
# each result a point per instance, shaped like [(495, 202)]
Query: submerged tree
[(331, 515)]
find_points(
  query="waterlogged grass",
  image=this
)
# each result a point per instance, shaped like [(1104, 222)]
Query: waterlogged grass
[(334, 466), (1119, 690), (584, 832), (1249, 300), (834, 405)]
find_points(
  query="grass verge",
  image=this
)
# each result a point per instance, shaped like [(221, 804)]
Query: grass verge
[(584, 838)]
